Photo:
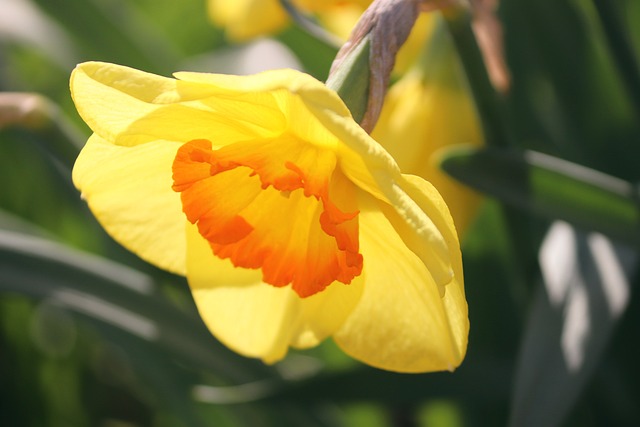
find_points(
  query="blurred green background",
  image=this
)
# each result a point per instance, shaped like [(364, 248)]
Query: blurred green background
[(92, 336)]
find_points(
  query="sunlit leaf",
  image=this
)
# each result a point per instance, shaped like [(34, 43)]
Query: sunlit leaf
[(551, 187), (116, 295), (586, 289)]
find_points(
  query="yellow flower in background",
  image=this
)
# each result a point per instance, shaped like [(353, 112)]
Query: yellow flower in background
[(247, 19), (426, 112), (244, 20), (290, 222)]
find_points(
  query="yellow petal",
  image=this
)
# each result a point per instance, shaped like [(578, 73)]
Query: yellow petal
[(314, 113), (401, 322), (129, 191), (362, 159), (256, 319), (129, 107), (370, 167), (427, 111), (293, 93), (418, 123), (428, 198)]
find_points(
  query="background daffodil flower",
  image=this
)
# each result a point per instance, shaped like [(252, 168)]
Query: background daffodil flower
[(247, 19), (290, 222), (428, 110)]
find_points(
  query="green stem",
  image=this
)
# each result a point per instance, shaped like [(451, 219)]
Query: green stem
[(497, 133), (351, 79), (620, 47), (489, 105), (304, 22)]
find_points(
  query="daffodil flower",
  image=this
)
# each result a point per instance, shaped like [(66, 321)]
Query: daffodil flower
[(247, 19), (289, 221)]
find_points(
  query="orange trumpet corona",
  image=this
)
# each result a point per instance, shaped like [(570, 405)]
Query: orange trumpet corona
[(280, 218)]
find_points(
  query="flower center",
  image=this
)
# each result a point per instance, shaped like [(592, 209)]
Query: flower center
[(279, 205)]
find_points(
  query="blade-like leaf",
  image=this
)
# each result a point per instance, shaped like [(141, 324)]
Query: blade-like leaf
[(621, 48), (367, 384), (124, 306), (315, 55), (24, 23), (113, 31), (116, 295), (37, 115), (586, 290), (551, 187)]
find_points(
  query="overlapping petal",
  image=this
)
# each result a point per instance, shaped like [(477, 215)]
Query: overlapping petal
[(371, 168), (428, 110), (401, 322), (116, 103)]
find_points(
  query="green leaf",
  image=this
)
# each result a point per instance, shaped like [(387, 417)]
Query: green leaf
[(368, 384), (490, 106), (315, 55), (567, 95), (117, 296), (125, 308), (35, 114), (621, 48), (551, 187), (585, 292), (113, 31), (41, 192)]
